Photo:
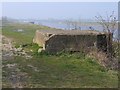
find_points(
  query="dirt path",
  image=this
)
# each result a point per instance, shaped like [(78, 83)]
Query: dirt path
[(9, 51), (7, 48), (16, 78)]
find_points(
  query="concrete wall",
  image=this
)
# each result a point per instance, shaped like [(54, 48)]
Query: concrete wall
[(39, 38), (75, 42), (54, 43)]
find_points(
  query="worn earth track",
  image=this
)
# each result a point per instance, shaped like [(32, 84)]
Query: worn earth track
[(16, 78)]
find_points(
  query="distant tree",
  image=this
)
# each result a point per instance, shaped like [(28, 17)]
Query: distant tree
[(73, 24), (68, 22), (91, 28)]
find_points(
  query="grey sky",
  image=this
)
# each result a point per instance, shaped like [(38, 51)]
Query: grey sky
[(58, 10)]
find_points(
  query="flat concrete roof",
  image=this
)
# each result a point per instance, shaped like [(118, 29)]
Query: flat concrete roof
[(70, 32)]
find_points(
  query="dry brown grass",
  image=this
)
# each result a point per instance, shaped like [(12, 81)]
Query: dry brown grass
[(104, 59)]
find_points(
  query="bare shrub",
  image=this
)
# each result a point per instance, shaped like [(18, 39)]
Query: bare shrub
[(109, 24)]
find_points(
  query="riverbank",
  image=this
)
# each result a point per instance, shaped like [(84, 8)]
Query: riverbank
[(43, 70)]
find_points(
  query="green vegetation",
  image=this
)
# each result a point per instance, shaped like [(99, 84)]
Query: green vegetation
[(46, 70), (21, 33), (65, 70)]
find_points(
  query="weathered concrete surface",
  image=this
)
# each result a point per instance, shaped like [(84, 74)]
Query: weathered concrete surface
[(72, 40)]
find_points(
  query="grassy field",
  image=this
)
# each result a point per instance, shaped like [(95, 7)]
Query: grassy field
[(66, 70), (45, 70), (21, 37)]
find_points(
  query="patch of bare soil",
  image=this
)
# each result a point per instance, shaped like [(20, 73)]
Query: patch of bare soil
[(9, 50), (16, 78)]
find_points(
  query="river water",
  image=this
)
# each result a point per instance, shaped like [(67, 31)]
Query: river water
[(60, 25), (86, 26)]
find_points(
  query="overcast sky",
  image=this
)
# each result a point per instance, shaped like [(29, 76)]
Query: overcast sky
[(57, 10)]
